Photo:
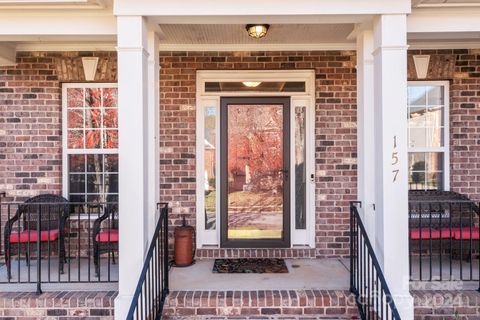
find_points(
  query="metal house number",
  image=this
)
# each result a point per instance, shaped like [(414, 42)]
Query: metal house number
[(395, 171)]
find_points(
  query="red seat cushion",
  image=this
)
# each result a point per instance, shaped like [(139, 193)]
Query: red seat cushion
[(424, 233), (104, 236), (464, 233), (31, 235)]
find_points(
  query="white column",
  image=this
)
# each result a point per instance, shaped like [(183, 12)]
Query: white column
[(133, 157), (390, 80), (365, 130), (153, 131)]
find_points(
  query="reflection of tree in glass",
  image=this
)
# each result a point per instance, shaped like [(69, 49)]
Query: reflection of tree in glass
[(255, 140), (418, 177)]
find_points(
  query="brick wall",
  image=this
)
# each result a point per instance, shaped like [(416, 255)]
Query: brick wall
[(30, 127), (57, 305), (335, 134)]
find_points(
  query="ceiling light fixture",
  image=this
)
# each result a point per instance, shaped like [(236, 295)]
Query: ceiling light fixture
[(251, 84), (257, 31)]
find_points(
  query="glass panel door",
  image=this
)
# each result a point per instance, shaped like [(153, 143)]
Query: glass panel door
[(255, 162)]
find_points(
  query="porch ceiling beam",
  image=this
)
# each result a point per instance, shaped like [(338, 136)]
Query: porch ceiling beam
[(271, 19), (65, 25), (449, 20), (254, 8)]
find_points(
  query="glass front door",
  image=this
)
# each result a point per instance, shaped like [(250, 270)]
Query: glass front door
[(254, 172)]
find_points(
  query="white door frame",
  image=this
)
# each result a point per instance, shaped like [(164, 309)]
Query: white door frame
[(299, 238)]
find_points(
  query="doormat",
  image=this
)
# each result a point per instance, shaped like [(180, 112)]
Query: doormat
[(272, 265)]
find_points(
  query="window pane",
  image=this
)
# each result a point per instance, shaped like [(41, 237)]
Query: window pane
[(75, 98), (94, 163), (434, 161), (210, 168), (77, 198), (77, 183), (417, 96), (76, 162), (93, 98), (75, 119), (300, 167), (110, 139), (435, 95), (434, 137), (92, 139), (435, 181), (417, 180), (417, 137), (416, 116), (426, 170), (110, 118), (111, 163), (95, 183), (434, 117), (416, 161), (93, 118), (256, 86), (110, 97), (111, 183), (75, 139)]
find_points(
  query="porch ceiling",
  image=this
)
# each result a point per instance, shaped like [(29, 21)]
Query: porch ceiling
[(197, 34)]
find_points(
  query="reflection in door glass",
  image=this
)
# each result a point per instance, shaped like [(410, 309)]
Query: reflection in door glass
[(300, 174), (210, 178), (255, 177)]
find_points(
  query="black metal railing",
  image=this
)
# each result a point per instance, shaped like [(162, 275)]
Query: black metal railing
[(50, 240), (444, 240), (367, 282), (152, 287)]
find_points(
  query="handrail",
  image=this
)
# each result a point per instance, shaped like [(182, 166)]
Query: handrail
[(152, 287), (367, 282)]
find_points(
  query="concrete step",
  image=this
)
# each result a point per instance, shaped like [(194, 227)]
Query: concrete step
[(261, 304)]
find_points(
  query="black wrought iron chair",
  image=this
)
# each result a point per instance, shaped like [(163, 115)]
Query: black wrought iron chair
[(105, 235), (45, 215)]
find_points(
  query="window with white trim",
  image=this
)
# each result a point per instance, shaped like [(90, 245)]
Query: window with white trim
[(90, 142), (428, 151)]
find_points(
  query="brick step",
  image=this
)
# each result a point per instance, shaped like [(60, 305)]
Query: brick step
[(261, 304), (446, 304)]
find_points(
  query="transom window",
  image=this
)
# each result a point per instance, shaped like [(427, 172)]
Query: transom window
[(428, 135), (90, 142)]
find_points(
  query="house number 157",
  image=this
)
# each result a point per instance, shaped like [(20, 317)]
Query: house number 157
[(395, 169)]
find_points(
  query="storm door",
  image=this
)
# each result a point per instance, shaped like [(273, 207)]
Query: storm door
[(254, 172)]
